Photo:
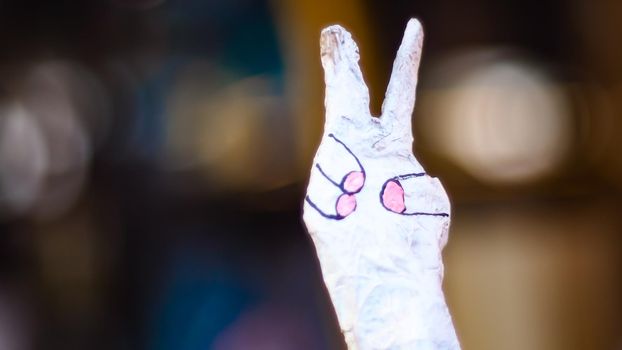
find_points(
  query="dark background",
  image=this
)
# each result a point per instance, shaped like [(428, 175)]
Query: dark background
[(154, 155)]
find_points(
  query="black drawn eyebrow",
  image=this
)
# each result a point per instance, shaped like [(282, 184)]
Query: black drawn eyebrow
[(405, 177)]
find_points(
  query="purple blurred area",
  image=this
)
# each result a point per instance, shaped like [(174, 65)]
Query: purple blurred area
[(154, 155)]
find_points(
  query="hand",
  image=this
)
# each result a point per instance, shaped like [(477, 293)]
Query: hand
[(378, 221)]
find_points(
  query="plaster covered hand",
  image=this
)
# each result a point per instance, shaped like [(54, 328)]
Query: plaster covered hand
[(378, 221)]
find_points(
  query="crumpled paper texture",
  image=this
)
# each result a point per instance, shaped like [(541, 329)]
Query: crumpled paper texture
[(381, 262)]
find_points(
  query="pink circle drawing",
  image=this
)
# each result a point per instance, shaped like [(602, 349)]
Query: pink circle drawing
[(393, 197)]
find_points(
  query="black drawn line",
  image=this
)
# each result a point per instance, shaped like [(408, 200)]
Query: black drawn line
[(405, 177), (326, 176), (340, 185), (408, 176), (428, 214), (328, 216), (349, 151)]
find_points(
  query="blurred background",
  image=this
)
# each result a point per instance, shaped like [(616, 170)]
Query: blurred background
[(154, 155)]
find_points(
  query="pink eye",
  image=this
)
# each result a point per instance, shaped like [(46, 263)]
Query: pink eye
[(346, 203), (393, 197), (353, 182)]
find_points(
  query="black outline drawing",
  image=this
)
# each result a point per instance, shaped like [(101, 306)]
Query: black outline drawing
[(343, 180), (397, 179), (341, 184), (338, 185)]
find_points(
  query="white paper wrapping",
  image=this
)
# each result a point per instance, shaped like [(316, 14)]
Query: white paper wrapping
[(378, 221)]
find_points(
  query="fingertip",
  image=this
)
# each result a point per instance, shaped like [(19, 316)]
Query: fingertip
[(413, 35), (329, 38), (400, 95), (342, 74), (336, 45), (414, 26)]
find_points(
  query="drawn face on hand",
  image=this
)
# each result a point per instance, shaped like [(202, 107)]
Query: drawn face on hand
[(364, 171)]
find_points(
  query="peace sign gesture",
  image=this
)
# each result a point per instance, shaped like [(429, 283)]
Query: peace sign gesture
[(378, 221)]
